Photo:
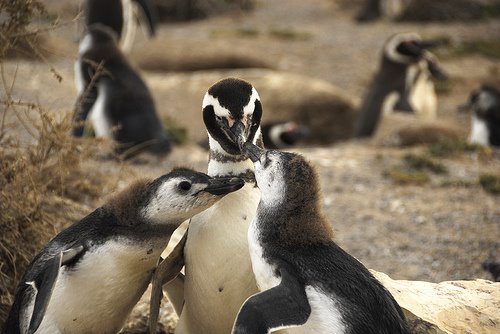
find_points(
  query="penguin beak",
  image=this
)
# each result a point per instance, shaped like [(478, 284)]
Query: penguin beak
[(150, 13), (238, 130), (436, 71), (223, 185), (433, 43), (410, 48), (254, 152)]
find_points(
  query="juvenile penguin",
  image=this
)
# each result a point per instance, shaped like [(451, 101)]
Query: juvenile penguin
[(89, 277), (308, 283), (119, 16), (279, 135), (218, 271), (114, 96), (484, 103), (402, 83)]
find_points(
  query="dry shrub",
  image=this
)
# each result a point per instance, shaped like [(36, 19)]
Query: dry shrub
[(40, 184), (14, 36)]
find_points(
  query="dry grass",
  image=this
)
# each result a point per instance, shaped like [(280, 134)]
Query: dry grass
[(42, 181), (41, 185)]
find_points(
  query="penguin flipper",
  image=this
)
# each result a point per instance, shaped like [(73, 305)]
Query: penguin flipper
[(283, 306), (149, 10), (166, 271), (44, 283), (87, 96)]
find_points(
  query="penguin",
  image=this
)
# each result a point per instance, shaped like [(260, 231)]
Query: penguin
[(389, 9), (279, 135), (218, 272), (402, 83), (484, 102), (88, 278), (115, 98), (119, 16), (308, 283)]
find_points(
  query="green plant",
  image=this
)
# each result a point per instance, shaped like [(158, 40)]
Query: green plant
[(423, 162), (404, 176), (490, 183)]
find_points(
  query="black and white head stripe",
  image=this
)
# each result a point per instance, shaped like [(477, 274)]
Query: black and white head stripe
[(396, 48), (228, 103)]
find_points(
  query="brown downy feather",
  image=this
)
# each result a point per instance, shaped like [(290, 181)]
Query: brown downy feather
[(126, 203), (306, 223)]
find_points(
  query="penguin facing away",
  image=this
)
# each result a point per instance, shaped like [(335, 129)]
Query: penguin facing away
[(218, 272), (484, 103), (114, 97), (89, 277), (119, 16), (402, 83), (308, 283)]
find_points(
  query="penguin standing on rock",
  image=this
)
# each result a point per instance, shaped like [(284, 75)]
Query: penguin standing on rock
[(114, 97), (89, 277), (218, 270), (403, 82), (308, 283), (119, 16), (484, 103)]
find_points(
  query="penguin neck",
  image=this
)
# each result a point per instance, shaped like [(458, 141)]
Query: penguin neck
[(293, 224), (221, 163)]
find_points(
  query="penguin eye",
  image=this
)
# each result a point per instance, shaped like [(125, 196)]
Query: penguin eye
[(184, 186)]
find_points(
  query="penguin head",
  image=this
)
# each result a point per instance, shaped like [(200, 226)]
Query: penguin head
[(171, 198), (407, 48), (283, 176), (232, 112), (483, 101), (283, 134), (98, 35), (184, 193)]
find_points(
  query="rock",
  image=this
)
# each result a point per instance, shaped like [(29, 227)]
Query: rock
[(453, 307), (323, 108), (401, 129)]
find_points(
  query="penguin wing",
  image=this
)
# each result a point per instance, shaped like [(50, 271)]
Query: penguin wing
[(149, 10), (283, 306), (167, 270), (42, 286), (85, 73)]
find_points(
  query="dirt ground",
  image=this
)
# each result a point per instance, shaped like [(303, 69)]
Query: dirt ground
[(437, 231)]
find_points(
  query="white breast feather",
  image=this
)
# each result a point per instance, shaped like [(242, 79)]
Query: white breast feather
[(79, 81), (84, 302), (217, 257), (263, 271), (325, 317), (422, 95), (479, 131), (97, 115)]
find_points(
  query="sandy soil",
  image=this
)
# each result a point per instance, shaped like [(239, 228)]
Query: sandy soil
[(434, 232)]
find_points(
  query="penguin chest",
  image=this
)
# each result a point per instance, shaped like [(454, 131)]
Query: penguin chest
[(479, 131), (422, 96), (79, 81), (98, 294), (265, 272), (218, 268), (325, 317), (99, 116)]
